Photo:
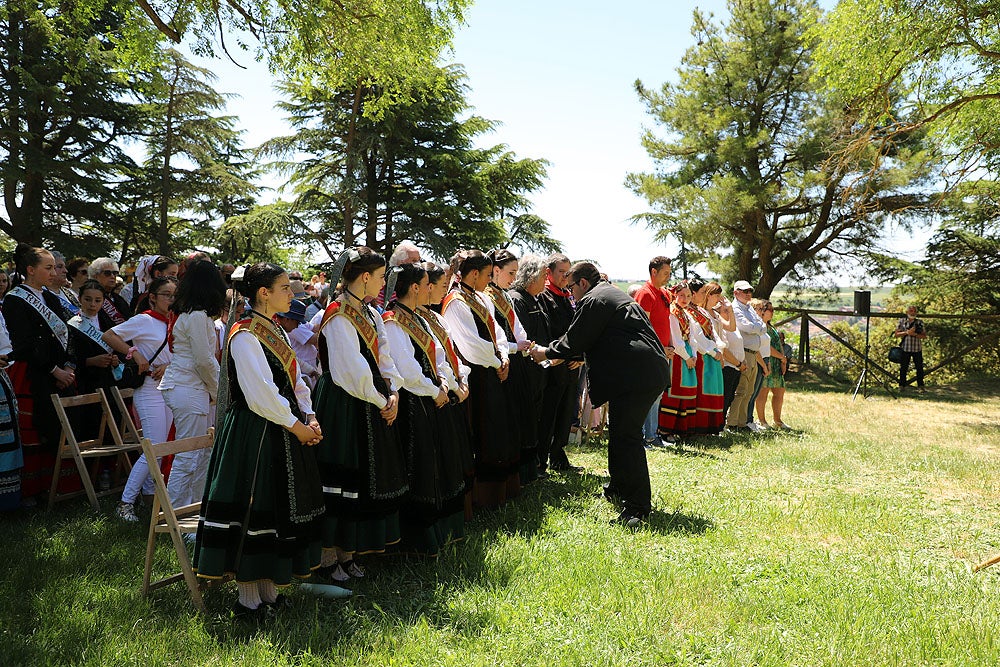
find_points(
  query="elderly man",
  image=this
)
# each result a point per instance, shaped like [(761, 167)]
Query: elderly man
[(626, 367), (115, 309), (405, 253), (655, 302), (911, 334), (751, 328)]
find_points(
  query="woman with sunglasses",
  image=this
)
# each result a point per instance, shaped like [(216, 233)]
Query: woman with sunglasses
[(115, 309), (76, 273), (147, 332)]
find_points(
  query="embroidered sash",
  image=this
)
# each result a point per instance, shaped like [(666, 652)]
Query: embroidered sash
[(703, 320), (112, 312), (442, 335), (502, 303), (417, 333), (271, 340), (57, 326), (87, 328), (477, 308), (367, 330), (682, 321)]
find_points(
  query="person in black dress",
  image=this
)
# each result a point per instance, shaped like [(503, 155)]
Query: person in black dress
[(626, 367)]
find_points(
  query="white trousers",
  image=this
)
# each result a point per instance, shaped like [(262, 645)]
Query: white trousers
[(189, 406), (155, 418)]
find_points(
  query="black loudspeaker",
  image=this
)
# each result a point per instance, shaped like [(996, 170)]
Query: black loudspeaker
[(862, 303)]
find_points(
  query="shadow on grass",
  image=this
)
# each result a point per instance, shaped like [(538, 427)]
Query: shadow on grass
[(678, 522)]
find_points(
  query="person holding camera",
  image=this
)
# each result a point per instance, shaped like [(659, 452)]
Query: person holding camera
[(911, 333)]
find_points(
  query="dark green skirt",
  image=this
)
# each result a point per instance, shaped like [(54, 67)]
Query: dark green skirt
[(363, 471), (253, 484)]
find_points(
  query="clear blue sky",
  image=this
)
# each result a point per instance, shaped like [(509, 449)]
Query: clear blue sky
[(559, 77)]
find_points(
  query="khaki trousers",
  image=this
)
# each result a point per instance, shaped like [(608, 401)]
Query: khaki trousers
[(737, 415)]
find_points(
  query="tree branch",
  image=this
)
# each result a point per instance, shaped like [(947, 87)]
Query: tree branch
[(160, 24)]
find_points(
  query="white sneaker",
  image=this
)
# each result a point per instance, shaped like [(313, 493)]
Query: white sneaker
[(755, 427), (126, 512), (353, 569)]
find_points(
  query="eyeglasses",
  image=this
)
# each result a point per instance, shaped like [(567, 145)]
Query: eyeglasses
[(109, 272), (165, 295), (572, 285), (81, 272)]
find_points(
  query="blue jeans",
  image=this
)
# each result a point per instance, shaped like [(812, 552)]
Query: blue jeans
[(652, 421)]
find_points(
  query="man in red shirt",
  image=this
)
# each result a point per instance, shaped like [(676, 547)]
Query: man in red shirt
[(654, 299)]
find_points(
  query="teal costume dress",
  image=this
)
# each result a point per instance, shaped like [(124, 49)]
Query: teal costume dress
[(775, 379), (261, 512)]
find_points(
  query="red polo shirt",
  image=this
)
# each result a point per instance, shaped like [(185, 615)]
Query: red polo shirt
[(656, 302)]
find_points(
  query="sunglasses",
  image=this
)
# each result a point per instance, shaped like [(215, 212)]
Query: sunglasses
[(109, 272), (81, 272)]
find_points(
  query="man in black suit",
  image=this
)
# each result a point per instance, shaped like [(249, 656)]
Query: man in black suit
[(626, 367), (559, 404)]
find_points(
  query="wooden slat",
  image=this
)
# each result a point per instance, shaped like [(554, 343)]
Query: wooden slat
[(186, 445), (82, 399)]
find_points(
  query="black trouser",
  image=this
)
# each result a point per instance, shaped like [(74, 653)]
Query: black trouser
[(730, 380), (627, 451), (904, 367), (559, 404)]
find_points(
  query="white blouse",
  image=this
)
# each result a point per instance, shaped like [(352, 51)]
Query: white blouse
[(466, 338), (5, 345), (194, 362), (700, 343), (147, 334), (404, 356), (257, 382), (350, 370)]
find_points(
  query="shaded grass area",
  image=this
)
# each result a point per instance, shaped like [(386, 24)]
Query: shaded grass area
[(847, 541)]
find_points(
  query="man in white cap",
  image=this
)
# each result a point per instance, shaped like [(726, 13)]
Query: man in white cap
[(751, 328)]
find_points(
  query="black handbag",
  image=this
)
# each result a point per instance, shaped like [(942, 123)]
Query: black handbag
[(131, 377), (896, 354)]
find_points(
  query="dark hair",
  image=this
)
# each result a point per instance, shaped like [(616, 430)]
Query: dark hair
[(368, 262), (586, 270), (556, 258), (157, 283), (408, 275), (261, 274), (434, 272), (502, 257), (74, 265), (658, 262), (90, 283), (161, 264), (201, 288), (473, 260), (26, 255), (695, 284)]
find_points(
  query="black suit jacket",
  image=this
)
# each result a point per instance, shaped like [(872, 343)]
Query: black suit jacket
[(622, 350)]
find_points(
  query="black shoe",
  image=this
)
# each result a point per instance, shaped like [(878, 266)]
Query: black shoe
[(565, 466), (280, 602), (629, 519), (242, 613)]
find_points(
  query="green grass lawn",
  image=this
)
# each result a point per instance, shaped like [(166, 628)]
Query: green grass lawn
[(848, 542)]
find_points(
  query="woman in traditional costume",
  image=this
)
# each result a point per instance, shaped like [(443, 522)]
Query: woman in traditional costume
[(483, 346), (678, 407), (523, 417), (432, 514), (262, 505), (97, 366), (455, 415), (777, 364), (11, 458), (710, 416), (41, 347), (361, 461), (147, 332)]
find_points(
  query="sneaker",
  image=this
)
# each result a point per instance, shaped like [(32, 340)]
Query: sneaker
[(126, 512), (353, 569), (782, 426), (755, 427)]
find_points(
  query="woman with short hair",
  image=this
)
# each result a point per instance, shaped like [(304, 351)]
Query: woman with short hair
[(115, 309), (76, 272)]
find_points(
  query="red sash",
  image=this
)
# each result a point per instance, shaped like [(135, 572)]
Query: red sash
[(442, 335), (417, 333), (502, 303)]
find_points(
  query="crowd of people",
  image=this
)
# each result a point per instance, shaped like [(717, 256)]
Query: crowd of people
[(377, 410)]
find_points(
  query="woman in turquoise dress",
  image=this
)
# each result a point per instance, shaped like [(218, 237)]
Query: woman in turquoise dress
[(260, 517), (774, 382)]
